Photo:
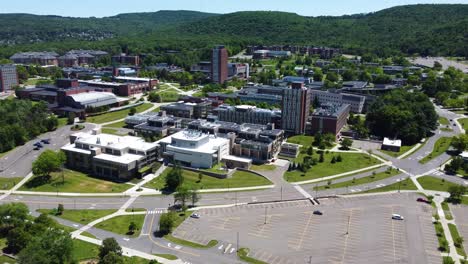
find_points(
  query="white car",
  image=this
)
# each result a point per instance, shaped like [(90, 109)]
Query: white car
[(195, 215), (397, 217)]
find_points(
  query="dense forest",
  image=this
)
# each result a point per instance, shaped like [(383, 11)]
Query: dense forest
[(22, 120), (414, 29)]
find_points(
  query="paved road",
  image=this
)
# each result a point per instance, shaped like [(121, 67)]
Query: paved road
[(18, 163)]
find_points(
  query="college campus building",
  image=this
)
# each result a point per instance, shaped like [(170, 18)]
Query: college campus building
[(247, 114), (295, 108), (128, 86), (40, 58), (124, 59), (75, 58), (154, 124), (219, 64), (391, 144), (109, 156), (329, 118), (192, 148), (356, 102), (8, 77)]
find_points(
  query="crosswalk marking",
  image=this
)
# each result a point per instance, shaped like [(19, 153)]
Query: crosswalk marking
[(156, 211)]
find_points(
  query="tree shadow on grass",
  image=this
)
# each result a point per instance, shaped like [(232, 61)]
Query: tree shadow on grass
[(38, 181)]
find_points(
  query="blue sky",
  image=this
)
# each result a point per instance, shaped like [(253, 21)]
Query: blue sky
[(100, 8)]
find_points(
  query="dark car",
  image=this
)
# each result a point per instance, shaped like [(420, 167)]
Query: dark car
[(46, 141), (317, 212), (37, 148), (421, 200)]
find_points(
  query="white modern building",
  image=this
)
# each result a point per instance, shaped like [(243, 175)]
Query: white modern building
[(192, 148), (109, 156), (391, 144)]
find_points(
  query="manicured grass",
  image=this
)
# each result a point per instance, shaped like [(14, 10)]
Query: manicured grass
[(218, 168), (264, 167), (443, 121), (406, 184), (62, 121), (169, 95), (440, 236), (455, 235), (84, 216), (84, 250), (120, 124), (112, 131), (303, 140), (238, 179), (187, 243), (350, 162), (242, 254), (108, 117), (167, 256), (435, 184), (119, 224), (364, 180), (6, 260), (446, 208), (463, 122), (394, 154), (76, 182), (441, 146), (446, 129), (8, 183)]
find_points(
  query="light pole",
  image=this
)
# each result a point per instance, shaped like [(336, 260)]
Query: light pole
[(265, 216), (281, 193), (347, 228), (237, 241)]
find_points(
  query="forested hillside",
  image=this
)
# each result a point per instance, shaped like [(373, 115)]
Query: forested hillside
[(415, 29)]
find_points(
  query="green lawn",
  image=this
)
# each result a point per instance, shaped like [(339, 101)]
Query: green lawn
[(6, 260), (119, 224), (440, 236), (8, 183), (406, 184), (62, 121), (84, 216), (120, 124), (441, 146), (84, 250), (455, 235), (238, 179), (365, 180), (169, 96), (463, 122), (303, 140), (75, 182), (350, 162), (443, 121), (108, 117), (394, 154), (447, 212), (435, 184), (264, 167), (112, 131)]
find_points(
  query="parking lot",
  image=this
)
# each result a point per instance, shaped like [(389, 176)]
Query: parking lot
[(351, 230), (460, 213)]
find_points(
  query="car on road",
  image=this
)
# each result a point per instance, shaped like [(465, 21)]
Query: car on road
[(397, 217), (422, 200), (45, 141), (454, 124), (36, 148), (195, 215), (318, 212)]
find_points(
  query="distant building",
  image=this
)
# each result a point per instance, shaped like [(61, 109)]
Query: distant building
[(130, 86), (189, 109), (238, 70), (391, 145), (40, 58), (292, 79), (356, 102), (155, 124), (329, 118), (247, 114), (8, 77), (295, 108), (192, 148), (219, 64), (125, 59), (109, 156)]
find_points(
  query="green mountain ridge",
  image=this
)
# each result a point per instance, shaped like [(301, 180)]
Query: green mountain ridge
[(424, 29)]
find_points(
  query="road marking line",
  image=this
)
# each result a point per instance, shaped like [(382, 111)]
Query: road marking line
[(346, 239)]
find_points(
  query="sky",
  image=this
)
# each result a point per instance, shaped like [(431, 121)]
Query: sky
[(102, 8)]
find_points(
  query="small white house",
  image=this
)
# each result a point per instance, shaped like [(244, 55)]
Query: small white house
[(391, 144)]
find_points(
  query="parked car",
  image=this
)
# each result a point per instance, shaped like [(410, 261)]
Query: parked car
[(45, 141), (397, 217), (36, 148), (195, 215), (317, 212), (422, 200)]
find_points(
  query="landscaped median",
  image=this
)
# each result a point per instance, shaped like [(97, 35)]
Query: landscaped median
[(403, 185), (435, 184), (349, 162), (84, 216), (242, 254), (200, 181), (364, 180), (440, 147), (121, 224)]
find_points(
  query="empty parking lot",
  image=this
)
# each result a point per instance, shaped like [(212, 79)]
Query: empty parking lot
[(351, 230)]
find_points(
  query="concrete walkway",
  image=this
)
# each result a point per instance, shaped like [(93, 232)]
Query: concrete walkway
[(17, 186)]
